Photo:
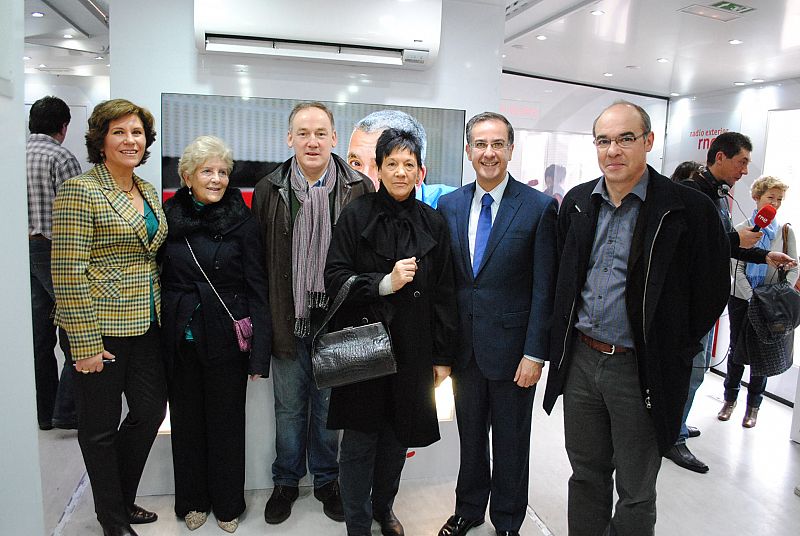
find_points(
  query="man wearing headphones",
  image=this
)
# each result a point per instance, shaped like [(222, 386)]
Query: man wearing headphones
[(726, 163)]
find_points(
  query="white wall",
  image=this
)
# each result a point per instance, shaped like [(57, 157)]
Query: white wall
[(159, 55), (465, 76), (21, 492)]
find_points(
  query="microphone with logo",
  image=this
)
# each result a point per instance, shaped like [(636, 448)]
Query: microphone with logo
[(764, 217)]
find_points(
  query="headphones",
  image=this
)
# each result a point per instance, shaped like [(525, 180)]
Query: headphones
[(723, 188)]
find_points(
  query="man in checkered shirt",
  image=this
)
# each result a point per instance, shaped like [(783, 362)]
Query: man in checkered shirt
[(49, 165)]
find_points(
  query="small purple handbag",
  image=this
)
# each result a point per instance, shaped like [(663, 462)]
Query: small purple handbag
[(242, 327), (244, 333)]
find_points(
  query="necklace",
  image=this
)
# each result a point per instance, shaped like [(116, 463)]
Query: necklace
[(129, 191)]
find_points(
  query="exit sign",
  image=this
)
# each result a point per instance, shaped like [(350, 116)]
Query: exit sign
[(733, 8)]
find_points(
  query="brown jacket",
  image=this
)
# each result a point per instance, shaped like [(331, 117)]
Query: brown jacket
[(272, 209)]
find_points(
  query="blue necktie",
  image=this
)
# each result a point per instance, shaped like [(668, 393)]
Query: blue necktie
[(482, 234)]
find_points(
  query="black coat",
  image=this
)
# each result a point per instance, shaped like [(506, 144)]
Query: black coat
[(710, 186), (677, 285), (421, 317), (226, 242)]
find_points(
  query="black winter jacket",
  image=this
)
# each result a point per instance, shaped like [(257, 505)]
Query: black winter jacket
[(677, 285), (421, 317), (226, 242), (707, 184)]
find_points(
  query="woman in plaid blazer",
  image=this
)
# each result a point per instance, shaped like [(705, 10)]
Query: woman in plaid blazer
[(107, 227)]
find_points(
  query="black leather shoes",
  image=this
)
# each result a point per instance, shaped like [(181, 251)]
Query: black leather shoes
[(682, 456), (279, 505), (693, 431), (390, 525), (139, 516), (507, 533), (457, 526), (331, 500), (118, 530)]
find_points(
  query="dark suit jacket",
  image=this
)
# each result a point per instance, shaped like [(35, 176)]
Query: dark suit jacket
[(677, 286), (505, 310)]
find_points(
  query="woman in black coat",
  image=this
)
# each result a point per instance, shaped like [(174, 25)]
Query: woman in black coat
[(399, 249), (207, 371)]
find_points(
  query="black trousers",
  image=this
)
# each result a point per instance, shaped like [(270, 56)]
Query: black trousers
[(207, 413), (115, 453), (737, 312), (507, 409), (370, 464)]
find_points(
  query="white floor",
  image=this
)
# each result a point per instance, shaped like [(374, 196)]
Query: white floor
[(749, 489)]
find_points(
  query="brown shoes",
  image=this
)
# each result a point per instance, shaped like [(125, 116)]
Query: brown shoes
[(726, 411), (750, 417)]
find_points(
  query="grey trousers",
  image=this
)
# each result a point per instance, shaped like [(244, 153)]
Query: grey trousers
[(608, 429)]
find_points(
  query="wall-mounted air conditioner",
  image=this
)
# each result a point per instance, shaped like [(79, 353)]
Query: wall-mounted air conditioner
[(402, 33)]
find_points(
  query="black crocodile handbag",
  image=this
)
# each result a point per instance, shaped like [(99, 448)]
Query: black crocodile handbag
[(353, 354)]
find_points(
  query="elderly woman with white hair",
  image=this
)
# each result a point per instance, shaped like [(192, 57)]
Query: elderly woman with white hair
[(211, 275), (765, 191)]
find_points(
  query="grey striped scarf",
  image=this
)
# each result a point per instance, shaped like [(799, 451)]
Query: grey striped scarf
[(311, 238)]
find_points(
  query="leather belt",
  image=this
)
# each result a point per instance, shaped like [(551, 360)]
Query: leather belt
[(38, 237), (608, 349)]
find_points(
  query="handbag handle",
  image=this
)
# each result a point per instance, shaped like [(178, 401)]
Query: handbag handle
[(208, 280), (337, 302), (785, 236)]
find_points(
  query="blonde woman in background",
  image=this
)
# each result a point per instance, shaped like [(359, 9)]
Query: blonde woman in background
[(765, 191)]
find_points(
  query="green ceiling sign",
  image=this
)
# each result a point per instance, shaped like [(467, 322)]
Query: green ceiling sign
[(733, 8)]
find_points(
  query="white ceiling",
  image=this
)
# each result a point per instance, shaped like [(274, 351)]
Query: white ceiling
[(625, 41), (85, 54), (629, 37)]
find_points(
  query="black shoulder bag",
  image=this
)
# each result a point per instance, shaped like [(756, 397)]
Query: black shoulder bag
[(353, 354)]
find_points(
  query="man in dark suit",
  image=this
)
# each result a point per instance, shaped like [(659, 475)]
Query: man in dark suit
[(630, 311), (504, 252)]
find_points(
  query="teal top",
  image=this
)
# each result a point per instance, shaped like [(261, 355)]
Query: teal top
[(187, 331), (151, 223)]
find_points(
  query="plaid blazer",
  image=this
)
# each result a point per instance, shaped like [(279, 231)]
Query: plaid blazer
[(102, 262)]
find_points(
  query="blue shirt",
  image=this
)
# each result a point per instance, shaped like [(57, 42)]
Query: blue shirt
[(430, 193), (602, 313)]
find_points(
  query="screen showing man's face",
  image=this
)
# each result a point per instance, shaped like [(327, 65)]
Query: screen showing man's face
[(361, 153)]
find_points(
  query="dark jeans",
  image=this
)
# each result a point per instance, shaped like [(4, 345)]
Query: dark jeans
[(700, 364), (506, 409), (370, 464), (737, 312), (207, 414), (607, 429), (115, 453), (301, 416), (55, 400)]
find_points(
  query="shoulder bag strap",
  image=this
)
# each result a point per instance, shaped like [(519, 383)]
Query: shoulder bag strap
[(786, 238), (340, 297), (207, 279)]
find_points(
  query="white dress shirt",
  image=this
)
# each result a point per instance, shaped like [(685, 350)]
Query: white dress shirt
[(475, 210)]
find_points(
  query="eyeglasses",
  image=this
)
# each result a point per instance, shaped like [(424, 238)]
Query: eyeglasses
[(495, 145), (624, 141)]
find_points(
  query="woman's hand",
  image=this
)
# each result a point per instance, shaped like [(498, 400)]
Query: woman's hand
[(254, 377), (403, 273), (93, 364), (440, 372)]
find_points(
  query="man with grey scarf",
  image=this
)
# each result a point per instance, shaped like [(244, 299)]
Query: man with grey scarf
[(296, 206)]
